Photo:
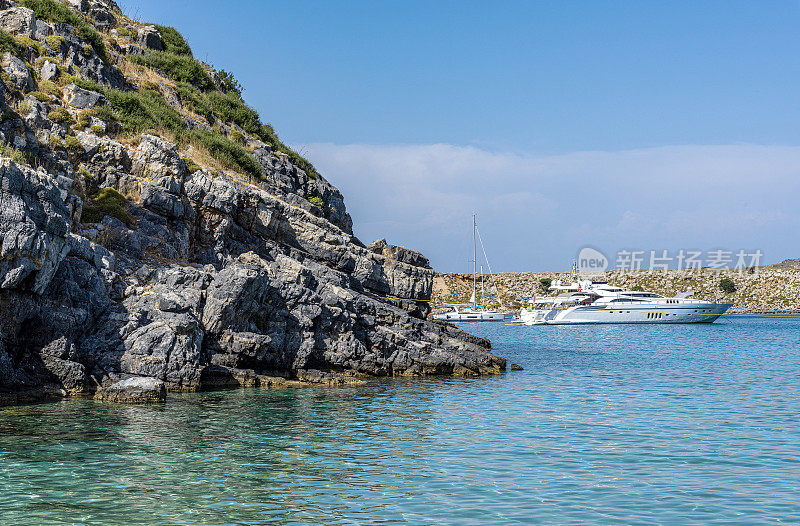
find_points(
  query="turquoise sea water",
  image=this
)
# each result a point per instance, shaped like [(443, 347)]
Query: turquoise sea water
[(611, 424)]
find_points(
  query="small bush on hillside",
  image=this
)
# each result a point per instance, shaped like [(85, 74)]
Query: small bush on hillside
[(50, 87), (227, 152), (6, 150), (230, 108), (106, 202), (60, 115), (180, 68), (174, 41), (230, 85), (54, 42), (191, 166), (193, 100), (26, 41), (73, 144), (40, 95), (84, 119), (141, 111), (727, 285), (544, 284), (316, 201), (637, 288), (8, 43)]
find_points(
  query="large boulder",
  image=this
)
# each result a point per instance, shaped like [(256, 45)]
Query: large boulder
[(150, 38), (79, 97), (34, 226), (18, 71), (135, 390), (18, 21)]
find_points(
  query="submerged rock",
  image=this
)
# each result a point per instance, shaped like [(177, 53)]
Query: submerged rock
[(137, 390)]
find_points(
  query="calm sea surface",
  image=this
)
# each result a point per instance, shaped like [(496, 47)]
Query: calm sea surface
[(609, 424)]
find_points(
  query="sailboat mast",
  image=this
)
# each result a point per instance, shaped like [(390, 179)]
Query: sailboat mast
[(474, 264)]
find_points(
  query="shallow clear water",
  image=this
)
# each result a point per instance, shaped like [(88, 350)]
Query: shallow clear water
[(610, 424)]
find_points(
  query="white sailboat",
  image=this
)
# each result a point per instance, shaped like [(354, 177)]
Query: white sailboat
[(475, 311)]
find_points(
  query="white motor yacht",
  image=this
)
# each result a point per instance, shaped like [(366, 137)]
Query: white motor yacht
[(587, 302)]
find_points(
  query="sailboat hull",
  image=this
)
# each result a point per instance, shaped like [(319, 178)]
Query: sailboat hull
[(470, 316)]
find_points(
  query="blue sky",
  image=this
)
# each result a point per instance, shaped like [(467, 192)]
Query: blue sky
[(637, 125)]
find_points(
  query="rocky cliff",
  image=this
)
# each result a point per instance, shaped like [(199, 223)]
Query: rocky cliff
[(153, 229)]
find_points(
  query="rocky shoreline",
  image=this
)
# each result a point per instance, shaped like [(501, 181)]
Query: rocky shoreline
[(132, 265), (768, 289)]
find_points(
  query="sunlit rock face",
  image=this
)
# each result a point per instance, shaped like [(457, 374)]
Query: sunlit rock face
[(125, 268)]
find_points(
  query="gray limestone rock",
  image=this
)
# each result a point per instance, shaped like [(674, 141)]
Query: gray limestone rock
[(79, 97), (18, 21), (213, 280), (18, 71), (150, 38), (135, 390), (49, 70)]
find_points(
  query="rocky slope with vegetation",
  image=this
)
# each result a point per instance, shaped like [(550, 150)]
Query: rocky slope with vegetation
[(157, 235), (774, 288)]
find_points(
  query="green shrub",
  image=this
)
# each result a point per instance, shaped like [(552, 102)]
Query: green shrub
[(57, 12), (50, 87), (193, 100), (106, 202), (180, 68), (88, 84), (174, 41), (544, 284), (106, 113), (6, 150), (229, 83), (316, 201), (98, 130), (42, 96), (146, 110), (8, 43), (230, 108), (227, 152), (54, 42), (26, 41), (84, 119), (191, 166), (60, 115), (87, 51), (637, 288), (55, 142), (73, 144), (727, 285), (237, 137)]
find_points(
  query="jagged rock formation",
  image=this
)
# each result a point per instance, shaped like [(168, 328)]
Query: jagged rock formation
[(126, 256)]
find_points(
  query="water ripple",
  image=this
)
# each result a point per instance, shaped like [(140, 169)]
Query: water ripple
[(612, 425)]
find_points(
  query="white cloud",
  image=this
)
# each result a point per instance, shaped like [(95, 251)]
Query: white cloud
[(535, 211)]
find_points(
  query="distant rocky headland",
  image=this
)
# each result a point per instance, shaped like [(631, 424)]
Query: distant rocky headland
[(156, 235), (773, 288)]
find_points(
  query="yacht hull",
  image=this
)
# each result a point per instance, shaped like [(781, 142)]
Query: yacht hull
[(700, 312)]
